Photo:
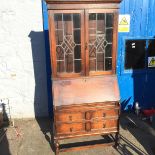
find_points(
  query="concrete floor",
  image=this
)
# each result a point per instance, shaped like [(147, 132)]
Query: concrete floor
[(137, 138)]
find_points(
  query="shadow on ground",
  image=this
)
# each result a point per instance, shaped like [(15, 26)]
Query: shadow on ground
[(141, 137), (46, 126), (4, 144), (42, 73)]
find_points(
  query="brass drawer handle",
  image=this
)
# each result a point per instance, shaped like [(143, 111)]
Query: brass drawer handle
[(88, 126), (70, 118), (88, 115), (104, 114), (104, 125)]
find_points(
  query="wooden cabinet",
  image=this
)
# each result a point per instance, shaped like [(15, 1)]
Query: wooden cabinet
[(83, 48), (83, 119)]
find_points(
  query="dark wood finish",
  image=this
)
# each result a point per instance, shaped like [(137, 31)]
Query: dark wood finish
[(106, 131), (114, 45), (69, 116), (53, 43), (79, 119), (85, 90), (87, 147), (81, 1), (82, 6), (67, 128), (86, 102)]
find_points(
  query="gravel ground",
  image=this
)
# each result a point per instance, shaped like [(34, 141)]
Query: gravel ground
[(33, 137)]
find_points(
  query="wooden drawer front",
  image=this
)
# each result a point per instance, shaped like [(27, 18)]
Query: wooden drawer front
[(104, 113), (69, 116), (70, 127), (104, 124)]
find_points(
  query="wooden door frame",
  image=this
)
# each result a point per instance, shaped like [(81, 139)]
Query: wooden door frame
[(84, 14), (114, 40), (55, 74)]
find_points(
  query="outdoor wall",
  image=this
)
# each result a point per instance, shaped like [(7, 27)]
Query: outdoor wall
[(136, 85), (24, 71), (22, 58)]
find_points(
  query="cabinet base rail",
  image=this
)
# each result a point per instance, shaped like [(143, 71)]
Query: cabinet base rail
[(109, 140)]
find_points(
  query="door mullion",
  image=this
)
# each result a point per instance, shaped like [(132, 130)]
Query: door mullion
[(86, 42)]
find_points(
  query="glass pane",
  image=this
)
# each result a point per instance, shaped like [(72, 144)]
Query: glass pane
[(60, 66), (77, 52), (59, 53), (76, 20), (108, 64), (69, 63), (68, 42), (151, 48), (77, 66), (58, 21), (67, 24), (59, 37), (109, 35), (92, 32), (100, 23), (151, 54), (92, 20), (77, 36), (100, 61), (92, 51), (100, 49), (92, 39), (108, 50), (135, 54), (92, 65), (109, 20), (100, 41)]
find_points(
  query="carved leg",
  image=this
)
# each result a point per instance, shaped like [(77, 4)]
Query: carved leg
[(56, 147)]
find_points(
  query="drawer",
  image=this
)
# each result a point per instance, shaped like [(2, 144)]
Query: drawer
[(104, 124), (69, 116), (69, 128), (104, 113)]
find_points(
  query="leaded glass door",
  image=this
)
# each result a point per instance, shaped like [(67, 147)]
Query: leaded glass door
[(83, 42), (67, 43), (101, 41)]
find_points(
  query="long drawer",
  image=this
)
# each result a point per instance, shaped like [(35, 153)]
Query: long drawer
[(70, 128), (76, 116)]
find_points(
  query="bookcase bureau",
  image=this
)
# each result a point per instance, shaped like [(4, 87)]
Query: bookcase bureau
[(83, 49)]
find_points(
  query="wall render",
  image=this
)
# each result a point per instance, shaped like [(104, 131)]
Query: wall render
[(22, 58)]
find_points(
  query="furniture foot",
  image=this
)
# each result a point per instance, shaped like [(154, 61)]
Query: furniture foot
[(117, 140), (56, 147)]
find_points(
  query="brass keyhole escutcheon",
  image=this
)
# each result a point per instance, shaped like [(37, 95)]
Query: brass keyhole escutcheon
[(104, 125), (71, 129), (88, 115), (70, 118), (104, 114)]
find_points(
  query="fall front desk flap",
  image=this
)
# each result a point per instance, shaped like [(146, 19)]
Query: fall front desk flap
[(85, 90)]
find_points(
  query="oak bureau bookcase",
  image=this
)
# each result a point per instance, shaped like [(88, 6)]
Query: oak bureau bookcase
[(83, 48)]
